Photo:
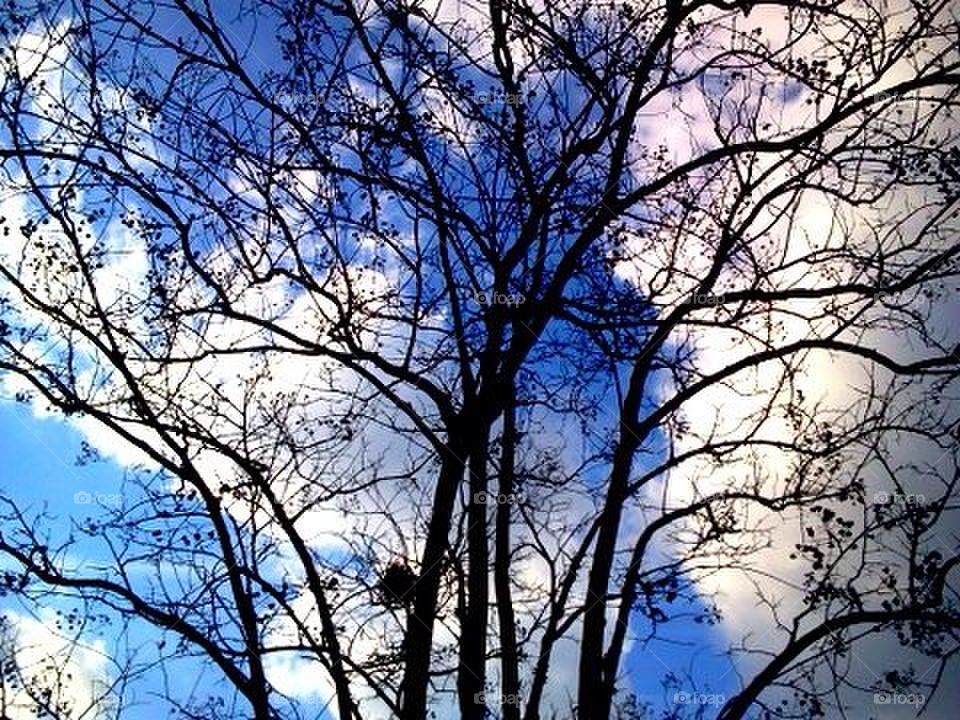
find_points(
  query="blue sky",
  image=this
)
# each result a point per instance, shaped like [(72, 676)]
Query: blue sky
[(39, 470)]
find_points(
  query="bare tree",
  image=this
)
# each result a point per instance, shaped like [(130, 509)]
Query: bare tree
[(42, 674), (445, 334)]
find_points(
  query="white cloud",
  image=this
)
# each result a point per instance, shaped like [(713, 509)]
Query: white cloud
[(50, 660), (214, 389)]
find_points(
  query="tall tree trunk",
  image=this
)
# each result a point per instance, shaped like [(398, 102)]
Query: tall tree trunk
[(419, 634), (590, 697), (509, 659), (471, 677)]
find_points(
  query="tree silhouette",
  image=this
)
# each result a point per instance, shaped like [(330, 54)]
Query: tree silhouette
[(436, 336)]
